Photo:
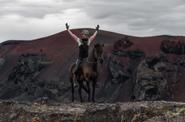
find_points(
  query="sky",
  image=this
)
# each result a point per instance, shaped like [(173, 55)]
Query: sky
[(31, 19)]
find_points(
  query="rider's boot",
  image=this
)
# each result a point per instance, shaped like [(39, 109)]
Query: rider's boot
[(76, 68)]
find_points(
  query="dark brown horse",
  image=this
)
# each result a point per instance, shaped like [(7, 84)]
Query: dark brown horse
[(88, 73)]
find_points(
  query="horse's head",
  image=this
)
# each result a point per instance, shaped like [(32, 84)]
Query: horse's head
[(98, 52)]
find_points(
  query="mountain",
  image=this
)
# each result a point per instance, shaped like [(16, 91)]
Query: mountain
[(134, 69)]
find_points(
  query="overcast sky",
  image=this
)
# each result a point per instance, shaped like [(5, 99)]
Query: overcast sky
[(31, 19)]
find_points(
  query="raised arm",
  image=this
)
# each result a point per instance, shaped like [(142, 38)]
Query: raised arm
[(72, 35), (94, 35)]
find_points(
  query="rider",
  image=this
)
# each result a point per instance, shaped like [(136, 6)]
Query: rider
[(83, 44)]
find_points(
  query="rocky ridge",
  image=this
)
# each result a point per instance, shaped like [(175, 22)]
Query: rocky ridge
[(158, 111)]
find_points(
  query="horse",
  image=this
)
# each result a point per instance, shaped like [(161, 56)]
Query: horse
[(87, 73)]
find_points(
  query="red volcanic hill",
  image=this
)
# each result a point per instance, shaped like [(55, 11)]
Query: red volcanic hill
[(135, 68)]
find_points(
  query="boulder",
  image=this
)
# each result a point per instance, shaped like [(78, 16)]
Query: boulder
[(118, 75), (22, 83), (151, 83)]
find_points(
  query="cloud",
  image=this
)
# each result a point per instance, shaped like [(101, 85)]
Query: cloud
[(29, 19)]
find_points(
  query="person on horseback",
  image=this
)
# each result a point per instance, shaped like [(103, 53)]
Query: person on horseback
[(83, 44)]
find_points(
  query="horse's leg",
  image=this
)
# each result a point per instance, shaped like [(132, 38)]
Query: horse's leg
[(72, 88), (80, 90), (93, 92), (89, 91), (84, 88)]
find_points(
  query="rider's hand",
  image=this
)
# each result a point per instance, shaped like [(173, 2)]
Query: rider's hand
[(67, 26), (97, 27)]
